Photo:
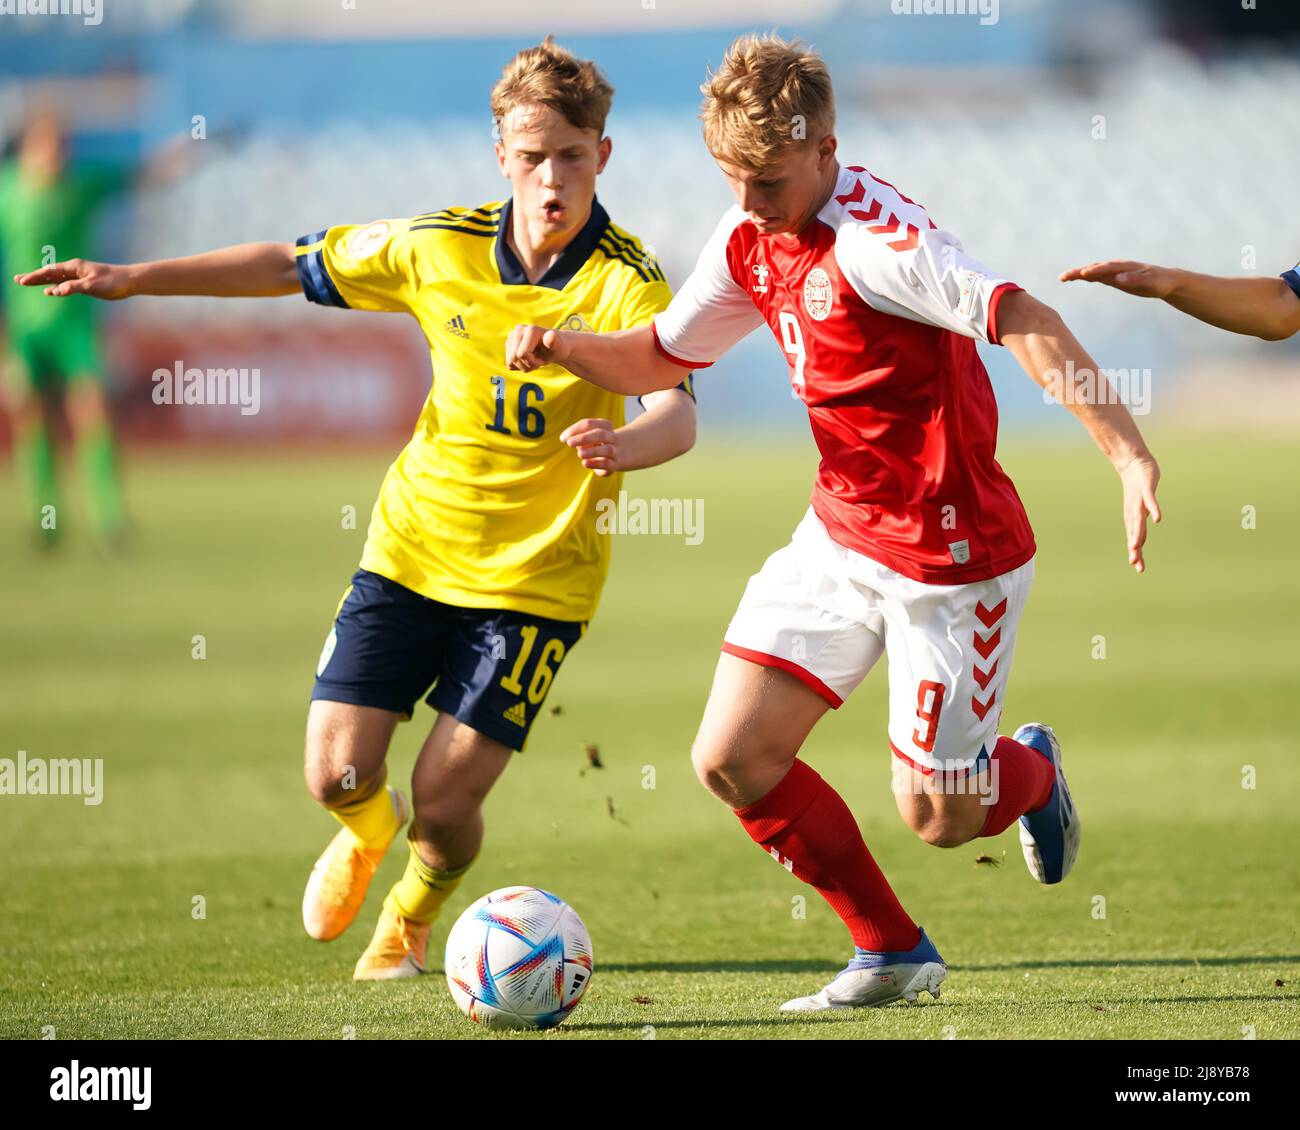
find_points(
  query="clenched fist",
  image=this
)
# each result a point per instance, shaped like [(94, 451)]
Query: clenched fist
[(531, 347)]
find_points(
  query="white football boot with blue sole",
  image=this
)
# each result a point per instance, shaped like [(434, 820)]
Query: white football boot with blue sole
[(1050, 836), (874, 978)]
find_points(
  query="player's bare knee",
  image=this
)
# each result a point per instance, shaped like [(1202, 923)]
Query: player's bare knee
[(716, 780), (943, 822), (332, 783), (322, 778), (717, 766), (919, 815), (925, 817), (331, 772), (943, 833), (324, 790), (740, 772)]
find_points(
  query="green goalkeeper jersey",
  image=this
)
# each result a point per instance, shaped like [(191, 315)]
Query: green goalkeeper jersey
[(45, 224)]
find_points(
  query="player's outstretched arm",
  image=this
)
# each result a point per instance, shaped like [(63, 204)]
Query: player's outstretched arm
[(246, 270), (1266, 308), (665, 430), (1046, 349), (623, 361)]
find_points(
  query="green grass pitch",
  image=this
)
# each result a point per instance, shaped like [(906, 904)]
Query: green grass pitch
[(1180, 919)]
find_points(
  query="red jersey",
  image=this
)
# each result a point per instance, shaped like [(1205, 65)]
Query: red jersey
[(876, 310)]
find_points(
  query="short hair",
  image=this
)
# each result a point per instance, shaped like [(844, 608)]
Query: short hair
[(547, 75), (767, 96)]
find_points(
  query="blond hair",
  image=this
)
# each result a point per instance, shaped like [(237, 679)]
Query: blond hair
[(767, 96), (547, 75)]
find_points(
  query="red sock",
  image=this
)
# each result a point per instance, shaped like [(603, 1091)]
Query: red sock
[(1024, 784), (808, 828)]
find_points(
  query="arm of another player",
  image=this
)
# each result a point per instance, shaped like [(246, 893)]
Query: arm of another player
[(1262, 307), (624, 361), (246, 270), (665, 430), (1040, 340), (703, 320)]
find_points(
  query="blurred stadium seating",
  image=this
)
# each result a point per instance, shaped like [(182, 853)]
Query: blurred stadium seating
[(998, 136)]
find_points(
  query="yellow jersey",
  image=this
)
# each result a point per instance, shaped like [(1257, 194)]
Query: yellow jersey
[(485, 507)]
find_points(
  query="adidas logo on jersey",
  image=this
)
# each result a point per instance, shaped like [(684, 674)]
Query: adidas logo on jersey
[(456, 326), (516, 714)]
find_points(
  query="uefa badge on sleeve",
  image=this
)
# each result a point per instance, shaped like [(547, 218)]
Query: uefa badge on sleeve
[(968, 291), (368, 240)]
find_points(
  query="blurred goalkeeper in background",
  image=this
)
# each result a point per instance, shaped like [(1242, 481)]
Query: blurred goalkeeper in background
[(47, 209)]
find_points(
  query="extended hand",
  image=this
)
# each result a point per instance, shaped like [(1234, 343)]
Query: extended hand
[(79, 276), (1142, 279)]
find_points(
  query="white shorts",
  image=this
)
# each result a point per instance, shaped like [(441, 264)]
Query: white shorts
[(825, 614)]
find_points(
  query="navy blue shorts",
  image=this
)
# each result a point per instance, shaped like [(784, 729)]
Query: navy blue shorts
[(488, 668)]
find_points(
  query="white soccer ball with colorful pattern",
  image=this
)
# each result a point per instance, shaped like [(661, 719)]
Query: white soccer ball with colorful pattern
[(518, 958)]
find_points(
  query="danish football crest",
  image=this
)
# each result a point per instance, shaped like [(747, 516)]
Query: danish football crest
[(817, 294)]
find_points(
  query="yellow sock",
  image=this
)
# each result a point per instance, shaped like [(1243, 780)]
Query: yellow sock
[(421, 891), (373, 820)]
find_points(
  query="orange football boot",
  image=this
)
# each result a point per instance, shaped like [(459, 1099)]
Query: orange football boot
[(397, 949), (339, 881)]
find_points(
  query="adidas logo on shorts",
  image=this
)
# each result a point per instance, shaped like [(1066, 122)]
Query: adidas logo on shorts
[(516, 715), (456, 326)]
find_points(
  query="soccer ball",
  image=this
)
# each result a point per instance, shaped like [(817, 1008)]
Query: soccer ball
[(518, 958)]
